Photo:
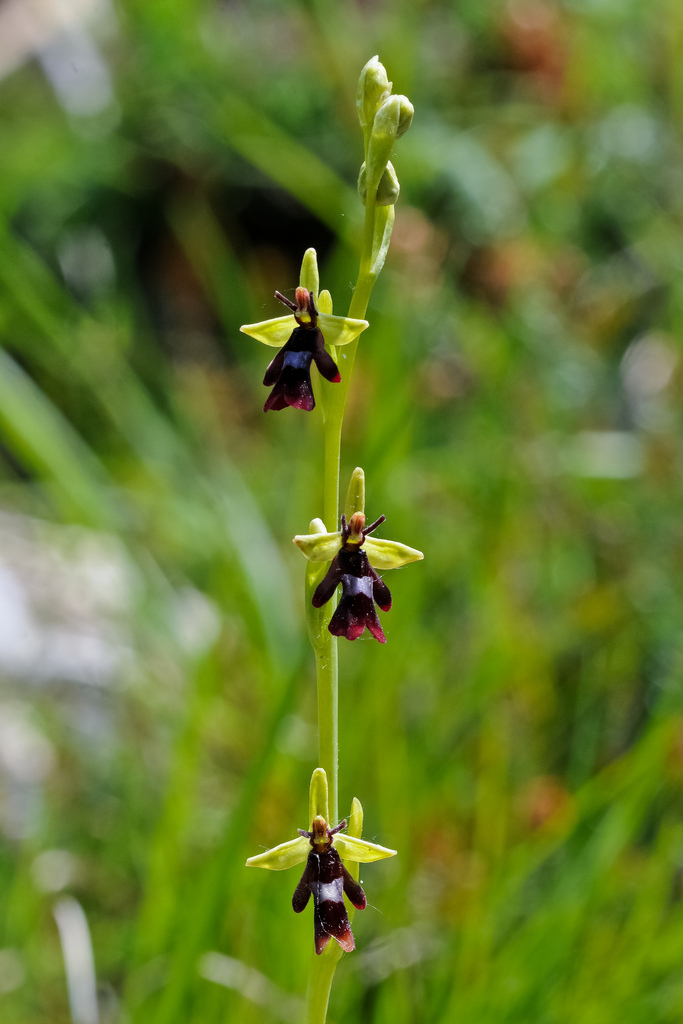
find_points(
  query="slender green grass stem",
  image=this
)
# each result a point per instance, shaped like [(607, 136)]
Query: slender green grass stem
[(333, 431), (326, 671), (320, 984), (323, 967)]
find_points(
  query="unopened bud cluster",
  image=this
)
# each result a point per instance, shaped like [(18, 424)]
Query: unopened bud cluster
[(384, 118)]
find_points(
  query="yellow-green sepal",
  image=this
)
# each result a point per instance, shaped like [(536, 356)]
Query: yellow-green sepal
[(275, 333), (318, 800), (318, 547), (360, 850), (337, 330), (355, 831), (355, 495), (324, 302), (340, 330), (281, 857), (389, 554), (309, 278)]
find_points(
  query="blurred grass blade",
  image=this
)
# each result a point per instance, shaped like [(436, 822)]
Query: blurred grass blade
[(296, 169), (43, 440), (79, 960)]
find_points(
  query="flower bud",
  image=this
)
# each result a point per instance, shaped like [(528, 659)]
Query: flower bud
[(373, 89), (388, 189), (391, 121), (405, 116)]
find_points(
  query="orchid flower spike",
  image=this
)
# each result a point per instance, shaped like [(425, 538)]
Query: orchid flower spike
[(325, 877), (355, 557), (301, 337)]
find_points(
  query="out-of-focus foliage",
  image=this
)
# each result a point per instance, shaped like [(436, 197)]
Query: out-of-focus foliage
[(516, 408)]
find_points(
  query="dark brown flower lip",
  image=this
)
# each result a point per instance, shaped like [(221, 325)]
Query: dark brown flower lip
[(289, 372), (362, 587), (328, 880)]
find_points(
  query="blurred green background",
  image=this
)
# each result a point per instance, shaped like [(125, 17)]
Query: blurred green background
[(516, 407)]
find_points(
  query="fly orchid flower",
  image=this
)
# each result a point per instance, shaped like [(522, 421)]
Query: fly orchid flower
[(301, 337), (325, 877), (355, 558)]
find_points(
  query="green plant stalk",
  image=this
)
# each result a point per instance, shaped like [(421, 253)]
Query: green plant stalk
[(323, 967), (320, 980)]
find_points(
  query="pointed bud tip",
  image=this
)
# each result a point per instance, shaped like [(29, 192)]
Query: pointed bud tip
[(309, 277), (355, 495), (373, 88), (356, 819), (406, 114), (318, 797)]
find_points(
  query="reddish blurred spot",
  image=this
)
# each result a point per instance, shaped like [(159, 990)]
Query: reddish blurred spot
[(543, 801), (492, 271), (533, 35), (419, 247)]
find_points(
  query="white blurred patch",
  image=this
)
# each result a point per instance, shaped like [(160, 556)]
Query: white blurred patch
[(79, 961), (65, 594), (28, 26), (24, 752), (70, 623), (12, 974), (26, 760), (542, 155), (648, 366), (197, 620), (395, 952), (77, 72), (54, 870), (19, 639), (252, 985), (604, 454), (628, 133), (68, 605), (87, 261)]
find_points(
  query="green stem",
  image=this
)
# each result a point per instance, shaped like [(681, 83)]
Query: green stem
[(320, 984), (324, 644), (333, 431), (328, 750)]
